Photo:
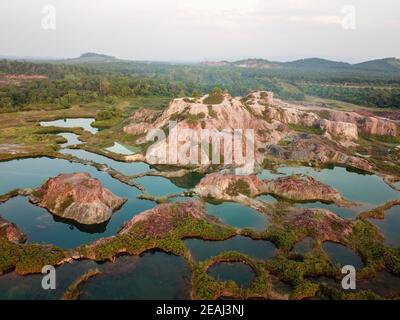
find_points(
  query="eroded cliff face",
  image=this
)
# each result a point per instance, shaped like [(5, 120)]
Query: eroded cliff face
[(10, 232), (317, 151), (272, 121), (369, 125), (77, 197)]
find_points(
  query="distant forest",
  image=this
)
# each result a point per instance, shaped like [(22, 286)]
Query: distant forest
[(66, 84)]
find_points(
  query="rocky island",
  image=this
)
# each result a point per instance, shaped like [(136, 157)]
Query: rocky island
[(77, 197), (299, 188), (10, 232)]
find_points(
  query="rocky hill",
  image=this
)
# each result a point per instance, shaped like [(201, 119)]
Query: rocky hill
[(283, 130), (77, 197)]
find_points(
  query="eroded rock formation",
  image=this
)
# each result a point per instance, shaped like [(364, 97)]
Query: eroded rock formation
[(303, 188), (275, 123), (77, 197), (9, 231), (230, 187), (321, 224), (163, 218)]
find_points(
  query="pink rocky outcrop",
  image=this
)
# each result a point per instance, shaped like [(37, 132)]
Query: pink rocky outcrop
[(77, 197), (10, 232)]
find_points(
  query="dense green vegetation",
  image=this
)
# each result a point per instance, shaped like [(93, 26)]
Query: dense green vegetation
[(381, 97), (66, 83)]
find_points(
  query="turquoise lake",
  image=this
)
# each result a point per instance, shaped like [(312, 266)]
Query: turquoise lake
[(238, 215), (38, 224), (127, 278), (203, 250), (152, 276), (357, 187)]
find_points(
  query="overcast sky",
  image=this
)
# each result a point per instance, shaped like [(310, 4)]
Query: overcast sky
[(197, 30)]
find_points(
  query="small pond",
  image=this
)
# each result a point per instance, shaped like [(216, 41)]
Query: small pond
[(342, 255), (154, 275), (390, 226), (238, 215), (240, 273), (203, 250), (84, 123), (121, 149)]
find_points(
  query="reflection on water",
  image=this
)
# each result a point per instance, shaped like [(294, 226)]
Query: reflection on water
[(267, 198), (120, 149), (240, 273), (37, 223), (158, 186), (203, 250), (15, 287), (84, 123), (154, 275), (127, 168), (342, 255), (383, 283), (353, 186), (345, 213), (72, 139), (238, 215), (304, 246), (390, 226)]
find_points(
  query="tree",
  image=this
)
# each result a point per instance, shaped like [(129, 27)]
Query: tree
[(217, 91)]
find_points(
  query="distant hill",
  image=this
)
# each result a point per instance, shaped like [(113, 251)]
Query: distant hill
[(316, 63), (256, 63), (388, 64), (91, 57), (382, 65), (379, 65)]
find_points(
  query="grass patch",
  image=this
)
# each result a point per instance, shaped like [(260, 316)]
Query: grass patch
[(304, 129), (214, 98)]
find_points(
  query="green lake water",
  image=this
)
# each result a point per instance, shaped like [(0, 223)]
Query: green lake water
[(383, 283), (158, 186), (203, 250), (357, 187), (346, 213), (156, 275), (123, 167), (38, 224), (238, 215), (153, 275), (390, 226), (84, 123), (303, 246), (71, 137), (240, 273), (120, 149), (342, 255), (15, 287)]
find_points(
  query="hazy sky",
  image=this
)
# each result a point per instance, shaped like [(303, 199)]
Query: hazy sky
[(197, 30)]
